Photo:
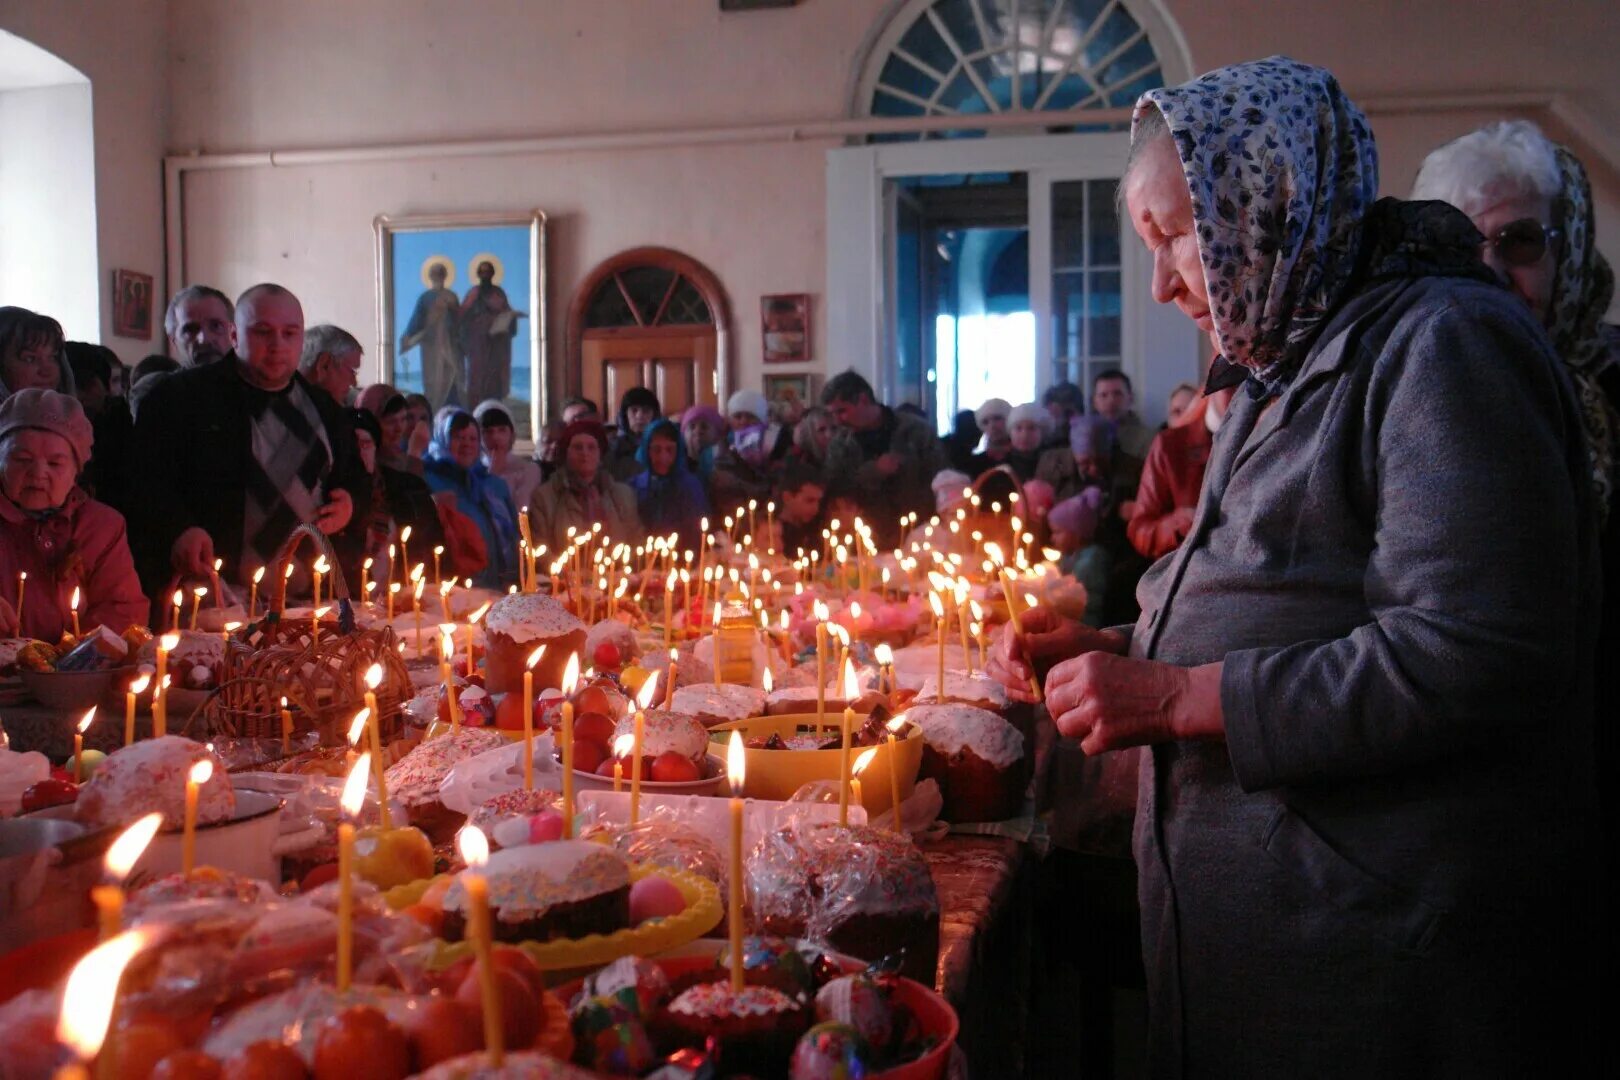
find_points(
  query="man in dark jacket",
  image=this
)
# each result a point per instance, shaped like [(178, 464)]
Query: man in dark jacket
[(230, 457), (885, 458)]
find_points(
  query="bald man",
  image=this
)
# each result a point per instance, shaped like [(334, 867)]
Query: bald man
[(230, 457)]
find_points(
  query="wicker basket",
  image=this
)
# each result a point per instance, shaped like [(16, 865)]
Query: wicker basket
[(322, 676)]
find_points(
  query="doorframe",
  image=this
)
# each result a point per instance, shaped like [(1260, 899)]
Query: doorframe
[(702, 278), (858, 305)]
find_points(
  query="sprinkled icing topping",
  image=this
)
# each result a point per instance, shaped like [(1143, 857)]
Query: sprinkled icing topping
[(151, 775), (951, 729), (667, 730), (716, 1000), (528, 881), (515, 803), (722, 703), (415, 778), (523, 1065), (978, 690), (525, 617), (807, 740)]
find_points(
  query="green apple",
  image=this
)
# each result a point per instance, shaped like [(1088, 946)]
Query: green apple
[(90, 761)]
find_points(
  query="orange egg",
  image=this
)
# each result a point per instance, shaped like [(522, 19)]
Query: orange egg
[(522, 1010), (360, 1043), (265, 1060), (513, 959), (441, 1028), (187, 1065)]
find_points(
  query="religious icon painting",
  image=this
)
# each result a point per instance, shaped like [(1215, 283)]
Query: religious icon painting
[(786, 324), (132, 304), (461, 310), (794, 392)]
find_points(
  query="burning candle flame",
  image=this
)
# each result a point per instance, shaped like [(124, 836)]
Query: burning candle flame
[(405, 535), (473, 845), (416, 572), (934, 602), (140, 684), (202, 772), (354, 786), (92, 990), (479, 614), (898, 723), (126, 851), (179, 597), (852, 684), (357, 727), (736, 764), (624, 745), (766, 681), (74, 602), (170, 640), (447, 640), (863, 761), (993, 550), (322, 566), (534, 657), (883, 653), (647, 694), (717, 613), (374, 675), (89, 718), (570, 679)]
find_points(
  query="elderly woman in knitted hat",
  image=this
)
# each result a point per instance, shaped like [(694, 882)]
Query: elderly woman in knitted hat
[(703, 430), (1028, 426), (991, 417), (582, 493), (1365, 815), (454, 468), (51, 531), (32, 353)]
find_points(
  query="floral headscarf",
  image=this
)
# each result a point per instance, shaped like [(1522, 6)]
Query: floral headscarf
[(1582, 289), (1282, 167)]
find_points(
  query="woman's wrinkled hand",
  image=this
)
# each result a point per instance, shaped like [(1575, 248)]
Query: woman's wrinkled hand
[(1047, 636), (1113, 702)]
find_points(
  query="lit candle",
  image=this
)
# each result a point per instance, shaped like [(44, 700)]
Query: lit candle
[(894, 768), (136, 688), (472, 620), (226, 631), (643, 700), (393, 590), (160, 692), (286, 728), (447, 649), (374, 676), (253, 593), (121, 858), (669, 679), (528, 717), (716, 640), (770, 528), (736, 765), (885, 660), (74, 604), (357, 731), (200, 774), (855, 796), (416, 607), (852, 690), (315, 624), (404, 552), (320, 567), (622, 746), (88, 1001), (351, 802), (570, 682), (22, 591), (669, 601), (820, 611), (78, 744), (939, 621), (438, 552), (178, 599), (474, 848)]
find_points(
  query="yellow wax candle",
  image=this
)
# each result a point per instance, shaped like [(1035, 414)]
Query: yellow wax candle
[(286, 728), (404, 552), (393, 589), (136, 688), (716, 639), (374, 726), (736, 762), (438, 551), (669, 601), (475, 853), (894, 769), (1017, 623), (178, 599), (472, 620), (669, 680), (22, 591), (160, 703), (528, 717), (618, 774), (196, 602), (120, 859), (821, 666), (570, 683), (78, 744), (447, 647), (352, 801), (253, 593), (74, 604), (637, 733), (939, 629), (200, 774)]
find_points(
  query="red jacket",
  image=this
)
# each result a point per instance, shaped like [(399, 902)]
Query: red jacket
[(1171, 479), (84, 544)]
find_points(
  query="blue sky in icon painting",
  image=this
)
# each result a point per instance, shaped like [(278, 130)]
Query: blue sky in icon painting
[(412, 249)]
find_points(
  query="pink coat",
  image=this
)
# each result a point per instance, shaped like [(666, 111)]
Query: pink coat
[(85, 544)]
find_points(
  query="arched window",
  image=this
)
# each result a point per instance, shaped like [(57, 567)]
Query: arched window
[(967, 57)]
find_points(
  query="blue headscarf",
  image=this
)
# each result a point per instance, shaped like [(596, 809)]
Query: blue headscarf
[(1282, 168), (673, 502), (480, 494)]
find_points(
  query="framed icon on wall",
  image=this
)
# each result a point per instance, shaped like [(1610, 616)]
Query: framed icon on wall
[(785, 319), (132, 304)]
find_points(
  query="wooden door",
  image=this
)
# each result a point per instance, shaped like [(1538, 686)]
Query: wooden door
[(677, 363), (649, 317)]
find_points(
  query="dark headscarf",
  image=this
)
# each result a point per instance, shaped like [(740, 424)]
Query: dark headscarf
[(1281, 167), (593, 428), (637, 396)]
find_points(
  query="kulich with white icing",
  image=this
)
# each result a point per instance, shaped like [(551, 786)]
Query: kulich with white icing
[(951, 729), (415, 779), (151, 775), (719, 704), (664, 730), (526, 882), (977, 690), (530, 617)]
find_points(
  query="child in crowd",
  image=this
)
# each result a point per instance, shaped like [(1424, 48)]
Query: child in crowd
[(798, 510)]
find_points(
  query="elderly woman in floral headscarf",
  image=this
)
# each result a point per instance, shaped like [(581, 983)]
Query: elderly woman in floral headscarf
[(1363, 679)]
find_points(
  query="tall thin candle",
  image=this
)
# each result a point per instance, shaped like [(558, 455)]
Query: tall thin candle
[(74, 605), (570, 682), (160, 692), (352, 801), (736, 765), (474, 848), (374, 725), (78, 744), (200, 774), (638, 730), (852, 690), (121, 858), (528, 717), (136, 688)]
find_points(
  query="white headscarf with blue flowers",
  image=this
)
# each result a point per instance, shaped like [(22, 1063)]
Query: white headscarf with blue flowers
[(1282, 168)]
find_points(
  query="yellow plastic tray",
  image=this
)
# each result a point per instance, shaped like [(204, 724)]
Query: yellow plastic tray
[(777, 774), (702, 914)]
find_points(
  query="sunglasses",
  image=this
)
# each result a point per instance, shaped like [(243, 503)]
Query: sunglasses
[(1523, 242)]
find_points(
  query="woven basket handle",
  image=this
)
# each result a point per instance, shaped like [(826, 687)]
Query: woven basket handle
[(289, 547)]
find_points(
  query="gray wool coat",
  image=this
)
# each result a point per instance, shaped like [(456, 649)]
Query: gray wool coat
[(1375, 874)]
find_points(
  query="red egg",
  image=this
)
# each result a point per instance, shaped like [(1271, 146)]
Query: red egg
[(595, 727), (187, 1065), (588, 754), (671, 767), (441, 1028), (607, 657), (264, 1060), (606, 768), (360, 1043), (522, 1010), (509, 712)]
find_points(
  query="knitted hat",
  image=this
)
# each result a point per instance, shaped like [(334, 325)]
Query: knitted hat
[(1038, 499), (1030, 411), (48, 410), (593, 428), (692, 416), (748, 401), (948, 485), (994, 407), (1078, 514)]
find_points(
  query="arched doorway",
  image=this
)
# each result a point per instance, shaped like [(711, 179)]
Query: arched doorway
[(650, 317)]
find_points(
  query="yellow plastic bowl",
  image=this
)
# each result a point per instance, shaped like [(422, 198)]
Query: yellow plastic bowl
[(777, 774)]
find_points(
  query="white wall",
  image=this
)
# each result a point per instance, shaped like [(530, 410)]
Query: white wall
[(48, 206)]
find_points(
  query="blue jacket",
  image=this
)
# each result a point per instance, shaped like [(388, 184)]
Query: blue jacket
[(675, 503), (483, 497)]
